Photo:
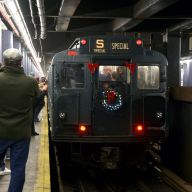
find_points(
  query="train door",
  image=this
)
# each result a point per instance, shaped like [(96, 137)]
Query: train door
[(112, 99), (72, 97)]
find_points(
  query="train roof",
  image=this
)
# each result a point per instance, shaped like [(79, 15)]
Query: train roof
[(105, 46)]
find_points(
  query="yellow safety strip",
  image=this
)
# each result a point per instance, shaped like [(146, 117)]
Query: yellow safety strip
[(43, 173)]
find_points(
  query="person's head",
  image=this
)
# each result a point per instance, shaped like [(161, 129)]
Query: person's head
[(120, 70), (41, 85), (105, 85), (43, 79), (114, 76), (12, 57), (106, 70)]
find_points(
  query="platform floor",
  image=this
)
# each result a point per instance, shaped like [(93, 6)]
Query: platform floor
[(38, 169)]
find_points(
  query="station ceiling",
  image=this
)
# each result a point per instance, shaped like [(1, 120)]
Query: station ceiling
[(61, 21)]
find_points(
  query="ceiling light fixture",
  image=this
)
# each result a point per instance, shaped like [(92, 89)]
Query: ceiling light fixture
[(7, 18), (16, 14)]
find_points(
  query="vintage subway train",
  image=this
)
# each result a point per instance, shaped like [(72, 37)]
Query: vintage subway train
[(107, 100)]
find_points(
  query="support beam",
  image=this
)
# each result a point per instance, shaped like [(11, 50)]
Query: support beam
[(182, 26), (141, 10), (67, 9), (103, 27), (173, 56), (113, 13), (41, 12)]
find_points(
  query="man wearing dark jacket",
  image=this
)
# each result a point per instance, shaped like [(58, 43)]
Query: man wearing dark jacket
[(18, 92)]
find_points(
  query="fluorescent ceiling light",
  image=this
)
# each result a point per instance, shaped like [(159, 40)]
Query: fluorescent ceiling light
[(16, 14), (2, 26), (7, 18)]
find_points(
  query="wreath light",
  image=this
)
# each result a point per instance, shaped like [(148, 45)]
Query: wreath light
[(112, 100)]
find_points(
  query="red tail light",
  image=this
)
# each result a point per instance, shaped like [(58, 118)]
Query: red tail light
[(82, 129), (72, 53), (139, 130)]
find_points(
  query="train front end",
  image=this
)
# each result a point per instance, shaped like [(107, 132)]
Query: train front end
[(108, 107)]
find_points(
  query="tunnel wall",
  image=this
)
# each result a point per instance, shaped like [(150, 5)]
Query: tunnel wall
[(178, 150)]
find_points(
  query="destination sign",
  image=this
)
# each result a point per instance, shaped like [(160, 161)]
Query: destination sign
[(119, 46), (104, 46), (110, 45), (100, 46)]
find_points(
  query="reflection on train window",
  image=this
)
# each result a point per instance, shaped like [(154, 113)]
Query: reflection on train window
[(114, 73), (148, 77), (72, 76)]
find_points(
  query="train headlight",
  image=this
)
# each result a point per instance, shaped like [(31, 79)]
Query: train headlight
[(62, 115), (159, 115)]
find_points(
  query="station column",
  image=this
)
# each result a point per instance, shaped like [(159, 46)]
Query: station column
[(170, 45), (173, 56)]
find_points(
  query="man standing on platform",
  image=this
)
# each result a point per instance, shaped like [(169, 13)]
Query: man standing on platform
[(18, 92)]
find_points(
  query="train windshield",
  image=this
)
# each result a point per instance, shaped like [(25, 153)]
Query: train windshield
[(148, 77), (72, 76), (114, 73)]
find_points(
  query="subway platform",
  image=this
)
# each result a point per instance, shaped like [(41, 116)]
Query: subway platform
[(38, 169)]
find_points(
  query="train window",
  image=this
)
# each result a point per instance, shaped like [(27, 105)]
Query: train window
[(148, 77), (114, 73), (72, 76)]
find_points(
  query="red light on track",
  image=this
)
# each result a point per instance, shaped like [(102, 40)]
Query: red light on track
[(72, 53), (139, 42), (83, 42)]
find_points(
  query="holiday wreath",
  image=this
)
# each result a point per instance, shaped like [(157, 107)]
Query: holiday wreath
[(111, 99)]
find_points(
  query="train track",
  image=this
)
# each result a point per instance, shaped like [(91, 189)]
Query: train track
[(82, 180), (177, 183), (155, 178)]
